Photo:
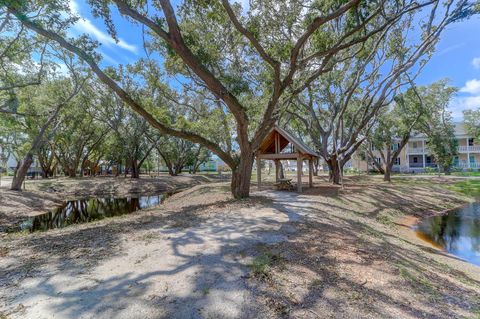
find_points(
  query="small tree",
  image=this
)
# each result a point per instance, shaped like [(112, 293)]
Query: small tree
[(438, 125), (443, 144), (471, 119), (395, 126), (201, 156)]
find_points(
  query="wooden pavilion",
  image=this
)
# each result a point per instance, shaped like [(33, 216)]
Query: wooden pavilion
[(281, 145)]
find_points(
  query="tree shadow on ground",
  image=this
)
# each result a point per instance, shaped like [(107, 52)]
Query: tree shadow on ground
[(192, 261), (204, 277), (337, 265)]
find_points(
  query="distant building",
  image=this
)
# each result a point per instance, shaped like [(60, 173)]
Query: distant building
[(416, 157)]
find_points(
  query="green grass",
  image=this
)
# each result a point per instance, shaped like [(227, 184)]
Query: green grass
[(419, 282), (476, 314), (466, 173), (467, 187), (262, 264)]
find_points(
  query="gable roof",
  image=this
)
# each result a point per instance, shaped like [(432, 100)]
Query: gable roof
[(288, 137), (460, 131)]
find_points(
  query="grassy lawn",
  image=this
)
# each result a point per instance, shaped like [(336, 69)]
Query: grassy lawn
[(466, 173), (469, 187)]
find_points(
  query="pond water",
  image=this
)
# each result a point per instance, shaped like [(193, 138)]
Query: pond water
[(88, 210), (457, 232)]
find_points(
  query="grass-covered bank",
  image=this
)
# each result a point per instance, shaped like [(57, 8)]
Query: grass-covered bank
[(469, 187), (352, 256)]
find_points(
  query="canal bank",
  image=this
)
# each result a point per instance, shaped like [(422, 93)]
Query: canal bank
[(43, 196)]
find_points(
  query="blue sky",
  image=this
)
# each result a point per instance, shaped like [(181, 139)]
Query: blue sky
[(457, 56)]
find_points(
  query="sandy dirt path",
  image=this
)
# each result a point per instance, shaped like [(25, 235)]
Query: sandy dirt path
[(155, 269)]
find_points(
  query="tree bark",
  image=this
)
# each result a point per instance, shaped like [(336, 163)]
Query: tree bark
[(38, 142), (178, 169), (388, 173), (334, 171), (22, 170), (171, 170), (241, 175), (72, 172), (316, 163), (135, 169), (447, 170)]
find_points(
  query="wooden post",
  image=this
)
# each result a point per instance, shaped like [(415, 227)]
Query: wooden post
[(277, 170), (277, 143), (259, 173), (310, 172), (299, 173)]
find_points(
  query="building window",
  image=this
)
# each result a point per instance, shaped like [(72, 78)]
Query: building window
[(397, 161), (414, 145), (470, 142), (472, 158), (415, 159), (378, 160), (455, 161)]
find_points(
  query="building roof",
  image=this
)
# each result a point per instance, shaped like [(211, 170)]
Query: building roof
[(268, 144), (460, 131)]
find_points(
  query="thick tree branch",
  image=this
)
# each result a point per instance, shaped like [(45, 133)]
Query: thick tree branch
[(123, 95)]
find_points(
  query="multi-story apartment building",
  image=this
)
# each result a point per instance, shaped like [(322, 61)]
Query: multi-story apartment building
[(415, 156)]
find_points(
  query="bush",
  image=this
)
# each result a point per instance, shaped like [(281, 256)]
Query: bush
[(431, 170), (352, 170), (455, 169)]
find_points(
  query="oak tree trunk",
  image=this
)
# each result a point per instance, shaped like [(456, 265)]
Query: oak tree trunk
[(241, 175), (72, 172), (316, 163), (388, 173), (21, 172), (178, 169), (447, 170), (135, 169), (334, 170), (171, 170)]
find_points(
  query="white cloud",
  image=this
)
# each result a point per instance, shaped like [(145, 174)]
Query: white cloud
[(476, 62), (450, 48), (460, 104), (472, 87), (84, 25), (108, 58)]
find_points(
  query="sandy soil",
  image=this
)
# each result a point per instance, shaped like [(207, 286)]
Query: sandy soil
[(327, 253), (42, 195), (353, 257)]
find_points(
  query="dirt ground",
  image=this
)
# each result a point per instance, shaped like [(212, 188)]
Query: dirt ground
[(326, 253)]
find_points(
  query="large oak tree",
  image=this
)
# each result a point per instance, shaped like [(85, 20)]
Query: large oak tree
[(249, 63)]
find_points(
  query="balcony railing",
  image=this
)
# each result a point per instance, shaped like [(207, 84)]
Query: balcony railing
[(465, 165), (467, 149), (417, 150), (415, 164), (420, 165)]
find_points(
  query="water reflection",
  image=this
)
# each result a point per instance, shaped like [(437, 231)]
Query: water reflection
[(87, 210), (458, 232)]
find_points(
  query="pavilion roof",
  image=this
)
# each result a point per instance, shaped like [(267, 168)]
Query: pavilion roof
[(268, 144)]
